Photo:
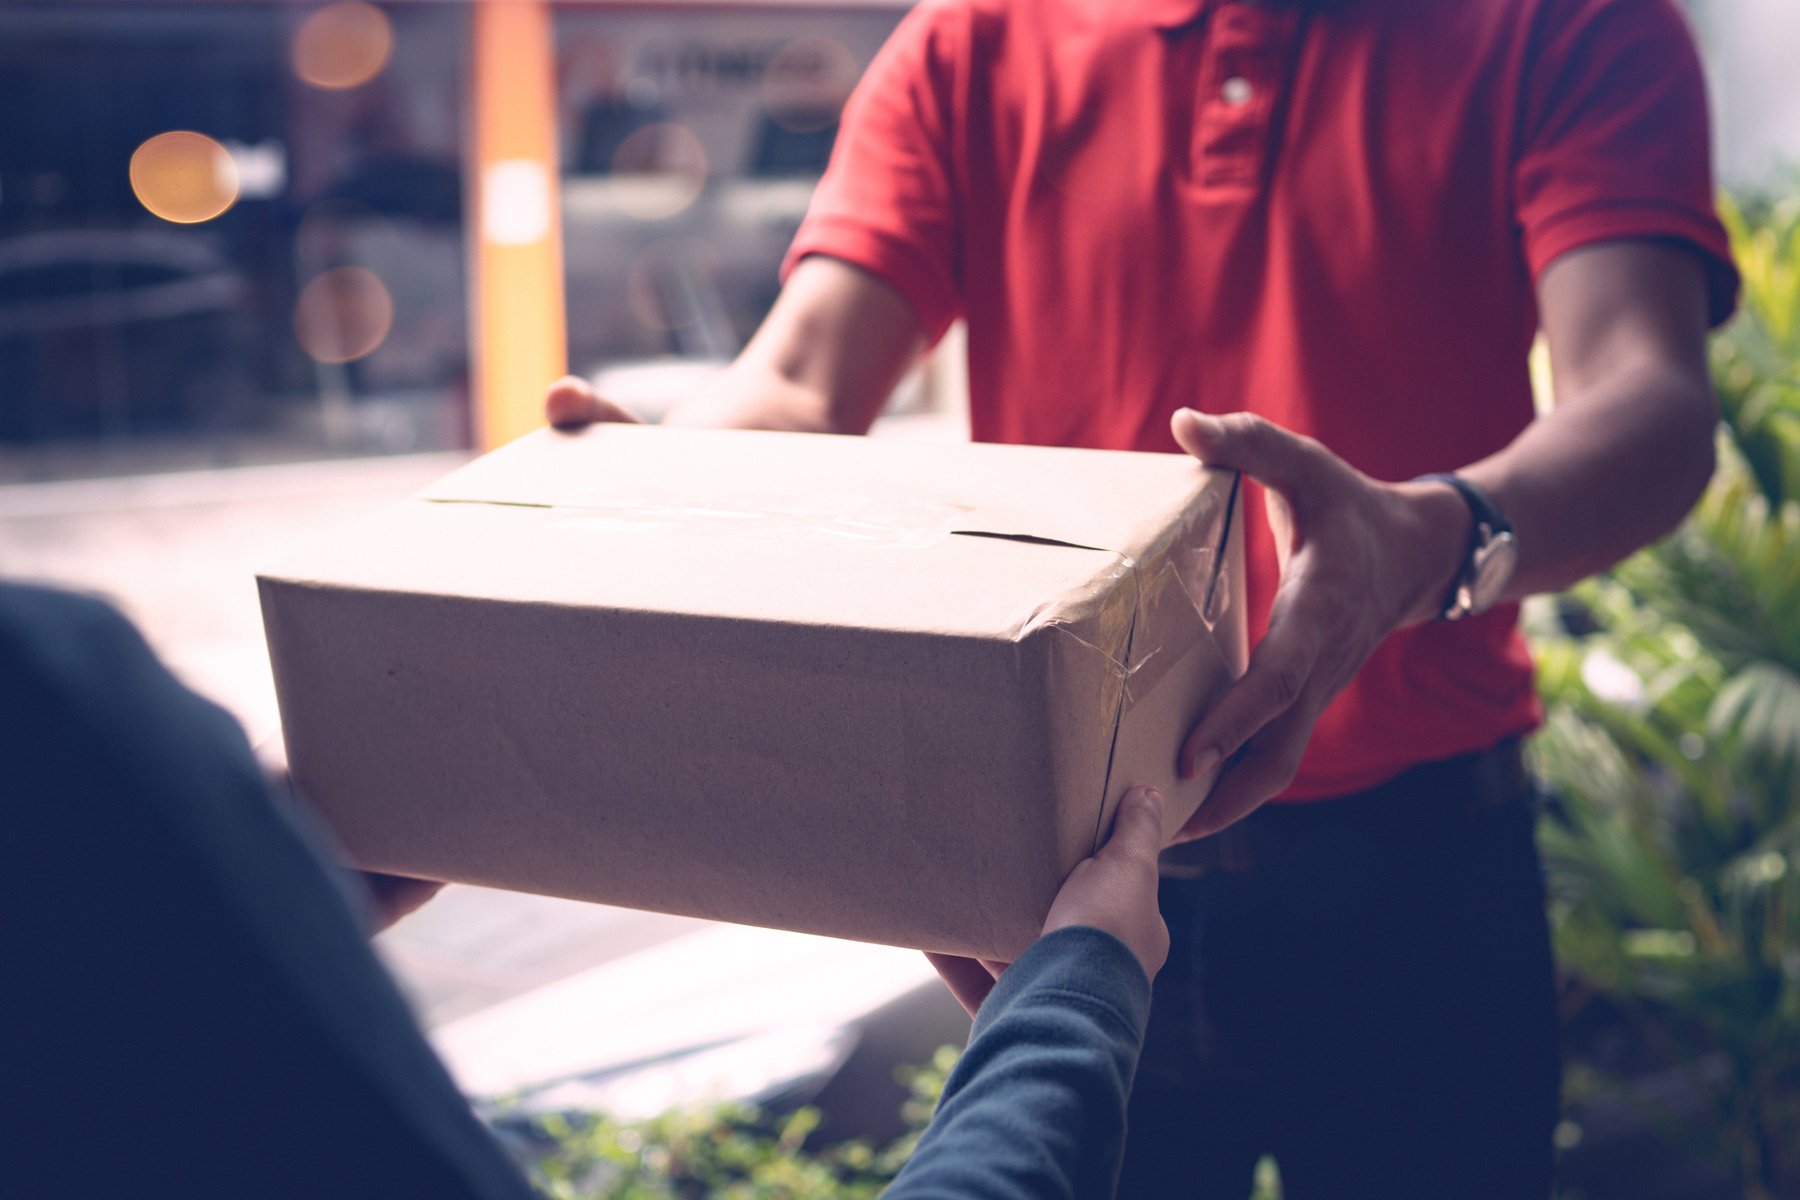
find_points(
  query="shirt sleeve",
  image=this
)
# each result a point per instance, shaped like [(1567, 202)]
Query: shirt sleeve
[(887, 202), (1036, 1106), (1613, 142), (205, 1017)]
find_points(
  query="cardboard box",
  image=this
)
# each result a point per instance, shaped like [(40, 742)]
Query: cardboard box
[(880, 690)]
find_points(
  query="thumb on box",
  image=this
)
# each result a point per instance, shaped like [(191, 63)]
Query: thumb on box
[(1115, 890), (572, 403)]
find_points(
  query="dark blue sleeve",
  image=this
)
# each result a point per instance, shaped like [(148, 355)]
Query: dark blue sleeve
[(1035, 1109), (192, 1007)]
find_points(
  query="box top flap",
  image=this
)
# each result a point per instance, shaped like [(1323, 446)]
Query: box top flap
[(1111, 500), (776, 526)]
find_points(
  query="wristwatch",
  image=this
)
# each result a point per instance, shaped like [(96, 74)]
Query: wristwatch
[(1493, 552)]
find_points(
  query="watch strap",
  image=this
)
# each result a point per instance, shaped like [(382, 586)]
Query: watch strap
[(1489, 528), (1481, 505)]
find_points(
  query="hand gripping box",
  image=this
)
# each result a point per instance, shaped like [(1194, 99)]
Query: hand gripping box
[(881, 690)]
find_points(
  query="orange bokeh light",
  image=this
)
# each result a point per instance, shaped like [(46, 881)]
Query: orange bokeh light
[(668, 154), (343, 315), (343, 45), (184, 177)]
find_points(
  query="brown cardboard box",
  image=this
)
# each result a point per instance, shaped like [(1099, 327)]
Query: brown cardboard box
[(875, 689)]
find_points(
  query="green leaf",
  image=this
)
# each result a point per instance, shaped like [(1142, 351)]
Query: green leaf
[(1759, 708)]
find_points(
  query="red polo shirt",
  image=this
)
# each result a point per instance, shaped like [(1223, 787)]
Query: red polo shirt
[(1328, 214)]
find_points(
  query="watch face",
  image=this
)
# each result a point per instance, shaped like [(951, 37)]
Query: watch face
[(1490, 570)]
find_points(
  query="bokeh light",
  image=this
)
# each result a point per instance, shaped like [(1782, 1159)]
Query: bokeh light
[(807, 83), (343, 45), (184, 177), (669, 154), (343, 315)]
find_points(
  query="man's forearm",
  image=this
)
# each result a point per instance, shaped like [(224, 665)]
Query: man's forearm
[(825, 360), (749, 395), (1627, 447), (1616, 464), (1589, 483)]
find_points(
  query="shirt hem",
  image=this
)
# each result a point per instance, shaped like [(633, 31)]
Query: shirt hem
[(1338, 786)]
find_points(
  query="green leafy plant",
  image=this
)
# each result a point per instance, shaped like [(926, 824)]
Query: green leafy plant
[(1756, 364), (724, 1152), (1673, 740), (738, 1152)]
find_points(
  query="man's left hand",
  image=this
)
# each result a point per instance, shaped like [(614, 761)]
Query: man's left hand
[(1359, 559)]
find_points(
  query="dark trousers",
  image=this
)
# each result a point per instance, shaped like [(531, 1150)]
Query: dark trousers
[(1362, 989)]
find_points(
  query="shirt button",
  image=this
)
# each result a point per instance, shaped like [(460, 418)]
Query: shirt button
[(1236, 90)]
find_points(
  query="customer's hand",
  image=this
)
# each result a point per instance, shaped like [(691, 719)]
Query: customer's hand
[(572, 403), (1359, 559), (1115, 890), (396, 896), (390, 896)]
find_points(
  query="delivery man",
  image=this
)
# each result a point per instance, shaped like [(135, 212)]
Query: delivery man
[(1313, 241)]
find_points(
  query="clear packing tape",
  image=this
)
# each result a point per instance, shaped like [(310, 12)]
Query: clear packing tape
[(774, 517), (1125, 628), (1189, 572), (1137, 631)]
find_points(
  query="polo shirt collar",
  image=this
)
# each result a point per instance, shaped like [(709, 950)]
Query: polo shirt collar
[(1173, 14)]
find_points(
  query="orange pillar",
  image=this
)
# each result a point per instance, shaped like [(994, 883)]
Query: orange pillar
[(520, 340)]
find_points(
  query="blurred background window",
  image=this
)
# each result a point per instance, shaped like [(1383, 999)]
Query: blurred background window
[(691, 141), (229, 232), (233, 231)]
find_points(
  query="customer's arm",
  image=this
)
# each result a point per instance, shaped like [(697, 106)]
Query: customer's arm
[(1035, 1109), (203, 1017), (193, 1006)]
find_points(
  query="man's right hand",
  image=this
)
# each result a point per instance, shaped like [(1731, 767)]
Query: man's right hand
[(572, 403)]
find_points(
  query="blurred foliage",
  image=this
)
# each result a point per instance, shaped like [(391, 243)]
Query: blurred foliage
[(1673, 744), (738, 1152), (1756, 363), (1268, 1180), (725, 1152)]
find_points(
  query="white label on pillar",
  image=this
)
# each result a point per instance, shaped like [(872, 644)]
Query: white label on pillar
[(515, 203)]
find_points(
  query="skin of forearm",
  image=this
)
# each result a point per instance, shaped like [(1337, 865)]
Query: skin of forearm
[(1602, 475), (1628, 445), (750, 396), (824, 361)]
